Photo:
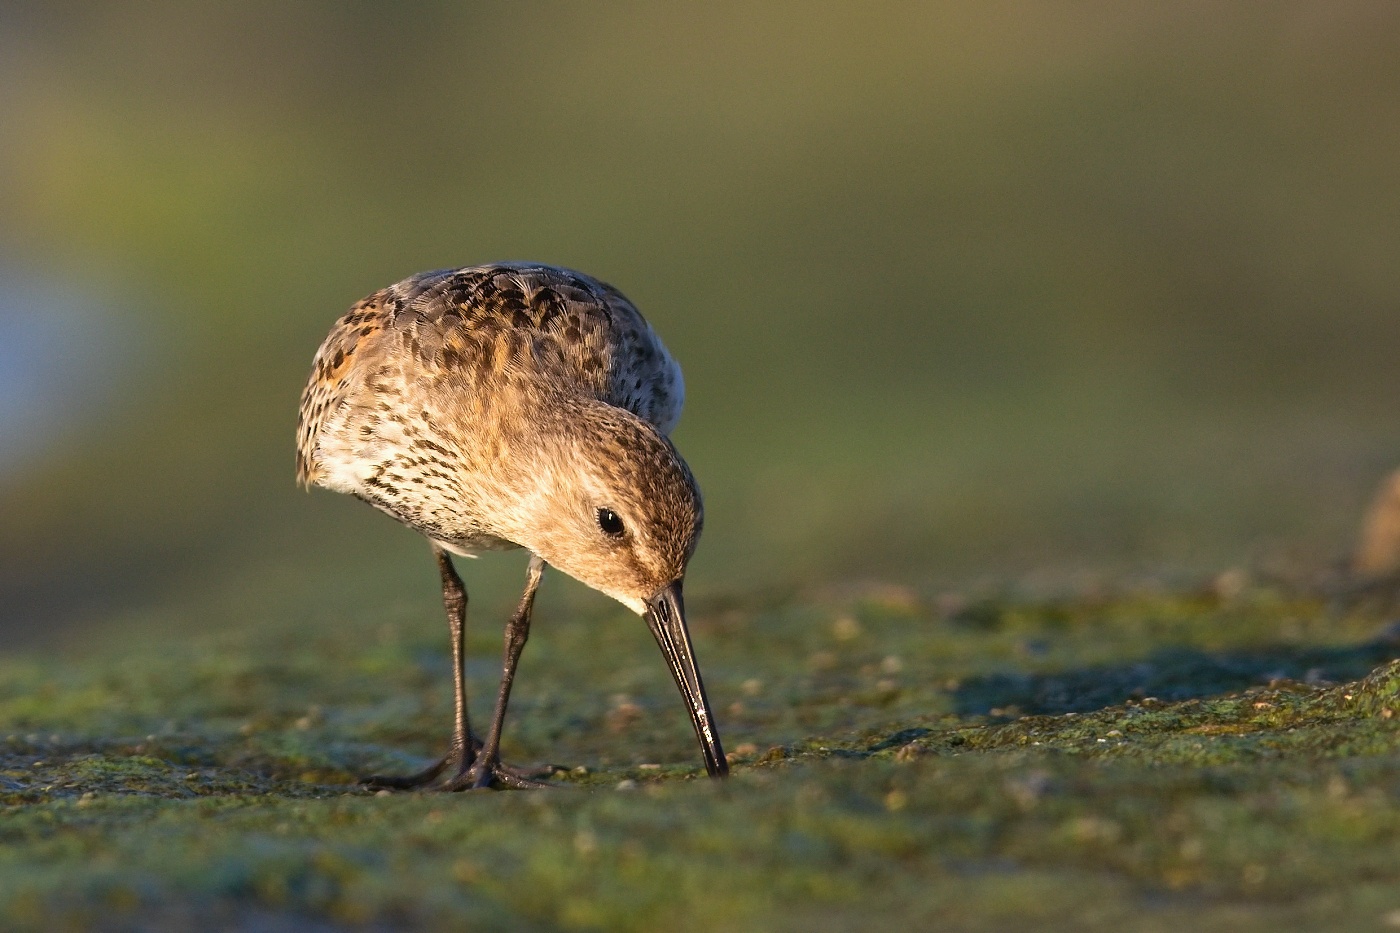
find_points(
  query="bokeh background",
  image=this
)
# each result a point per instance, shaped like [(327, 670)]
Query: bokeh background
[(962, 291)]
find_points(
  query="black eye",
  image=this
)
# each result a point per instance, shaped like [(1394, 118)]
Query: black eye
[(610, 523)]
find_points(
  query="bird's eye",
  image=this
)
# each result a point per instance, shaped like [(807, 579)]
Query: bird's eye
[(610, 523)]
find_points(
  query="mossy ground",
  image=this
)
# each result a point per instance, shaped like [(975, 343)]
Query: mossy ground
[(1217, 758)]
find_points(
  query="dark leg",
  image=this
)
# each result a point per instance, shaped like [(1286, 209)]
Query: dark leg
[(487, 768), (454, 599), (459, 754)]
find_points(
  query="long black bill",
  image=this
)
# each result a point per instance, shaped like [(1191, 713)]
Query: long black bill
[(666, 616)]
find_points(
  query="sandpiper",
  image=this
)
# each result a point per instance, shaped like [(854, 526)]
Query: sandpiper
[(514, 405)]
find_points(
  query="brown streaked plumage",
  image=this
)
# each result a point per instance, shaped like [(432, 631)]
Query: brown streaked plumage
[(514, 405)]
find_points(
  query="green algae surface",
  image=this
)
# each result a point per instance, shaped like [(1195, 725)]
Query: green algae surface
[(1215, 758)]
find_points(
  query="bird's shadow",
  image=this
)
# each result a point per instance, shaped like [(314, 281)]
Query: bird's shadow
[(1168, 674)]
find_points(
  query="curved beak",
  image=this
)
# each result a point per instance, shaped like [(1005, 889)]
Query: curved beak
[(666, 616)]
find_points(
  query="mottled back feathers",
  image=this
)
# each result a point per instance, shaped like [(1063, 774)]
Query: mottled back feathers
[(492, 324)]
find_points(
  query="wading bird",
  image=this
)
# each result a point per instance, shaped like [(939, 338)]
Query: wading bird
[(514, 405)]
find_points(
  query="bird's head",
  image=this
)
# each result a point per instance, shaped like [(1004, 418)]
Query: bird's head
[(617, 508), (624, 513)]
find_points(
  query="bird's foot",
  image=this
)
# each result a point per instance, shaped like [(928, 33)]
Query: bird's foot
[(464, 775), (481, 775)]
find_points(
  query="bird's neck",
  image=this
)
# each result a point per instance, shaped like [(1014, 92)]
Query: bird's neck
[(538, 466)]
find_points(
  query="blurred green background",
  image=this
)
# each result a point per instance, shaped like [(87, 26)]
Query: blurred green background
[(961, 290)]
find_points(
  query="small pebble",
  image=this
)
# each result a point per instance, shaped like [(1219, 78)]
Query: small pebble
[(1230, 584), (909, 752), (846, 628)]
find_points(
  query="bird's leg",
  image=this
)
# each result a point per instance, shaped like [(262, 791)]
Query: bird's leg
[(454, 599), (461, 752), (487, 768)]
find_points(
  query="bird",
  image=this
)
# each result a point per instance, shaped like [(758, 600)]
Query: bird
[(515, 405)]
